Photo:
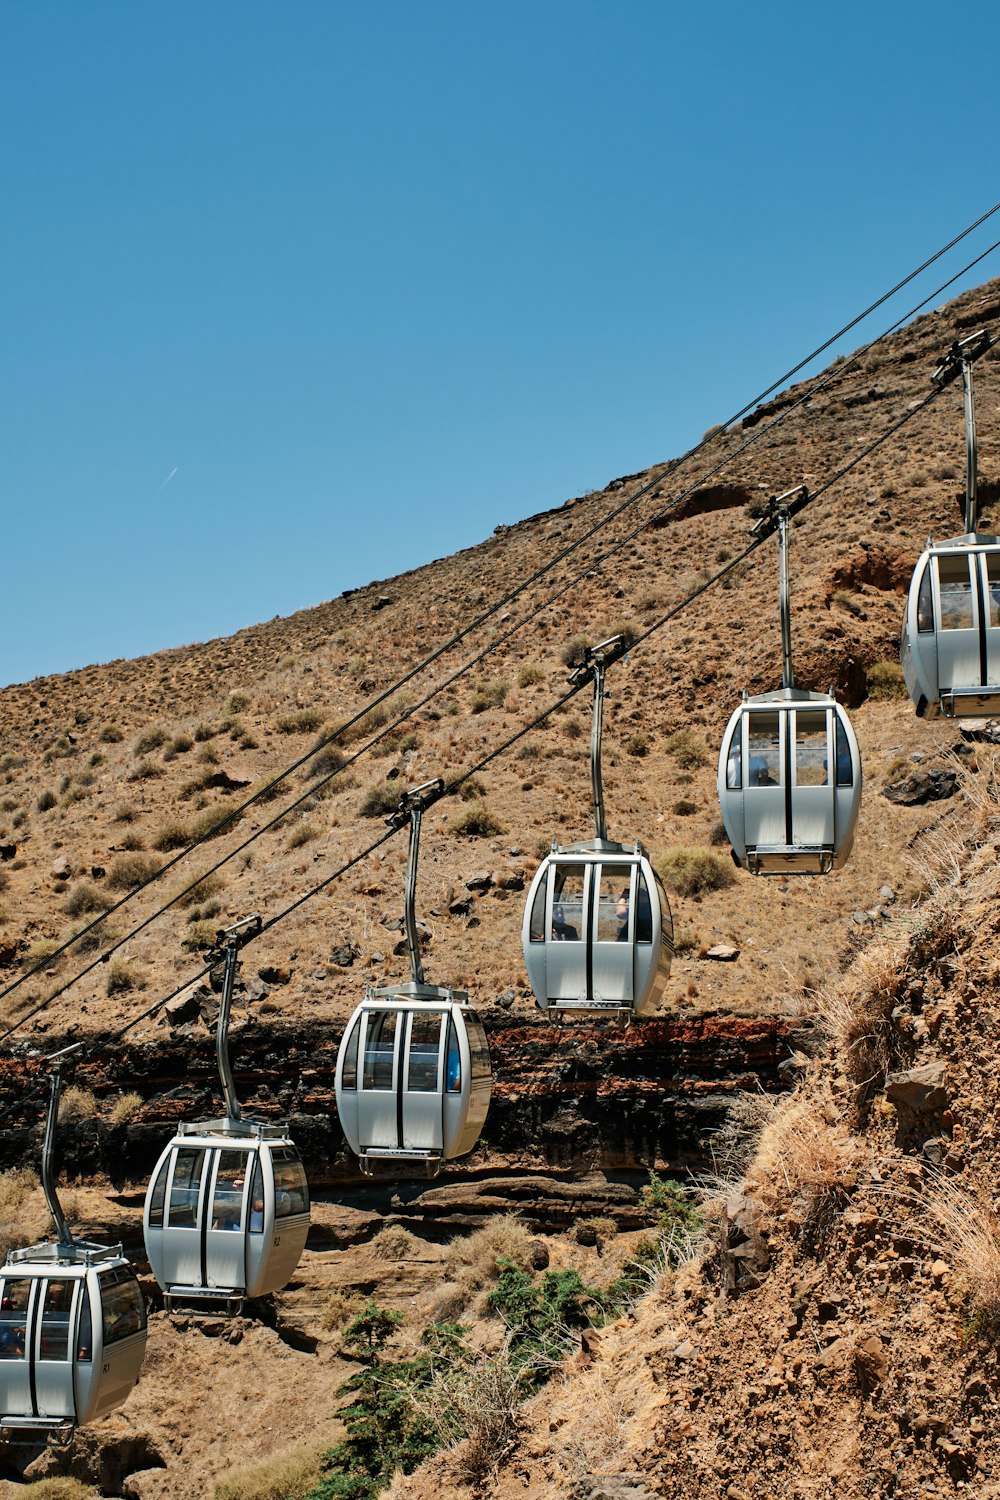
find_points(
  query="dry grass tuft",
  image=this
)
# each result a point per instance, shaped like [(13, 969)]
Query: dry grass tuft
[(690, 871), (287, 1476), (77, 1104), (125, 1108), (857, 1014), (804, 1164), (338, 1309), (968, 1232), (394, 1243), (472, 1261), (130, 870), (480, 1405), (60, 1487)]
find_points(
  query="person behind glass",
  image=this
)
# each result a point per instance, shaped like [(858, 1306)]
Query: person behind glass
[(621, 913), (562, 930), (257, 1215)]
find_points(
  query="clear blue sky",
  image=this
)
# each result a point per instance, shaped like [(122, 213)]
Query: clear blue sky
[(298, 295)]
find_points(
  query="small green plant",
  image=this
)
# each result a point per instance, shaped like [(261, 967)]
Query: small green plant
[(885, 681), (47, 800), (693, 871), (477, 823), (130, 870), (528, 676), (686, 748), (471, 789), (538, 1314), (637, 744)]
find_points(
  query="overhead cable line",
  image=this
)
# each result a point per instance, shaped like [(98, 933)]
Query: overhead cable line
[(663, 470)]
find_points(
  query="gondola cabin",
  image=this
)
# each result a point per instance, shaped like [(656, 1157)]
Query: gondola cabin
[(790, 783), (413, 1077), (72, 1337), (597, 934), (950, 644), (227, 1212)]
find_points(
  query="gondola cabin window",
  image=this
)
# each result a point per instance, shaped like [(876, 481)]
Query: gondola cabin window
[(764, 750), (380, 1049), (925, 603), (955, 585), (122, 1307), (291, 1192), (567, 904), (453, 1060), (14, 1317), (349, 1078), (811, 749), (185, 1188), (230, 1182), (55, 1319), (425, 1044), (479, 1051)]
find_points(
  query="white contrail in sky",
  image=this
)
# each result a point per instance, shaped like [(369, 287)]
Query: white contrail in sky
[(170, 476)]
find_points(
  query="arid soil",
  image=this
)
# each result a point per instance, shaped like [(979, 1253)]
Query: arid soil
[(707, 1389)]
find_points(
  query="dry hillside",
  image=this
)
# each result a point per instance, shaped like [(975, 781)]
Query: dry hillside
[(848, 1351)]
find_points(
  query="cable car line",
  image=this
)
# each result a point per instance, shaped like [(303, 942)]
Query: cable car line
[(263, 791)]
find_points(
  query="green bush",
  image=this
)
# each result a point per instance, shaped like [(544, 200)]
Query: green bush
[(537, 1313), (693, 871), (637, 744)]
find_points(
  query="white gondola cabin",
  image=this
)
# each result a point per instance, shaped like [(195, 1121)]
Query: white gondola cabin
[(227, 1212), (597, 931), (72, 1336), (227, 1208), (413, 1069), (413, 1077), (789, 767), (950, 641), (790, 783), (72, 1323)]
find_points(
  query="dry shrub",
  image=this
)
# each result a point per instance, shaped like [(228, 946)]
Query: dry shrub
[(212, 821), (595, 1231), (16, 1185), (394, 1243), (968, 1233), (692, 871), (172, 835), (287, 1476), (338, 1309), (85, 897), (381, 799), (24, 1217), (124, 975), (77, 1104), (593, 1412), (477, 823), (130, 870), (125, 1108), (197, 891), (804, 1164), (472, 1262), (885, 681), (303, 833), (60, 1487), (687, 749), (303, 721), (479, 1404), (857, 1014)]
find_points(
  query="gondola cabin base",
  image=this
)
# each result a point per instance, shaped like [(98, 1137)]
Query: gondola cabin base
[(72, 1337), (413, 1078), (227, 1213)]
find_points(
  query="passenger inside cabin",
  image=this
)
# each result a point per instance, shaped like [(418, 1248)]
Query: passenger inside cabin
[(562, 930)]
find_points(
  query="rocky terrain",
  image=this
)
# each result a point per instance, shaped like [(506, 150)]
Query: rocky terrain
[(796, 1367)]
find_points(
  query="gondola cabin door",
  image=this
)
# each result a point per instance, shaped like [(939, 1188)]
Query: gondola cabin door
[(207, 1199), (399, 1101)]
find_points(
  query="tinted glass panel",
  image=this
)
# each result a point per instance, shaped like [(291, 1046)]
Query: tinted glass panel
[(567, 904), (956, 592), (425, 1043), (734, 760), (992, 561), (380, 1049), (85, 1338), (190, 1163), (925, 603), (122, 1308), (810, 749), (478, 1050), (291, 1192), (230, 1181), (157, 1196), (764, 750), (453, 1061), (349, 1072), (613, 902), (536, 925), (256, 1219), (643, 911), (55, 1319), (845, 768), (14, 1317)]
